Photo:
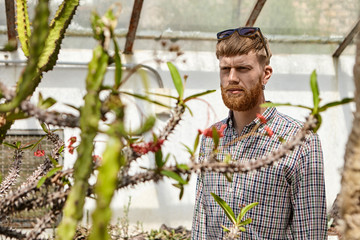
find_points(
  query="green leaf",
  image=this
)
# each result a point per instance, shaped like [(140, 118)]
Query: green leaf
[(18, 144), (181, 192), (146, 98), (161, 95), (72, 106), (215, 137), (188, 149), (49, 174), (336, 103), (118, 65), (270, 104), (196, 143), (228, 176), (315, 91), (61, 149), (37, 143), (178, 83), (174, 176), (45, 104), (44, 127), (159, 159), (225, 228), (245, 222), (10, 145), (166, 158), (244, 211), (191, 113), (227, 209), (27, 147), (183, 166), (181, 187), (198, 95), (147, 126), (53, 161), (242, 229)]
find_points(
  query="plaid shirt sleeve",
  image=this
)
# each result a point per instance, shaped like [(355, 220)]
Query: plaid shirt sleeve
[(308, 198)]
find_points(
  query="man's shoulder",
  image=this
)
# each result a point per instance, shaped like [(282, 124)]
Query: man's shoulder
[(289, 126), (220, 123), (289, 121)]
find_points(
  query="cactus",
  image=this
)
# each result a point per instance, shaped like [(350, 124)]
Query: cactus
[(23, 25), (31, 75), (90, 116), (58, 27), (45, 44), (113, 160)]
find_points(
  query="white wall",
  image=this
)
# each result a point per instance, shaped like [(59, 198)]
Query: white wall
[(154, 204)]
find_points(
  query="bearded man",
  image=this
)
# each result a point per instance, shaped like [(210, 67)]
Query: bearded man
[(291, 194)]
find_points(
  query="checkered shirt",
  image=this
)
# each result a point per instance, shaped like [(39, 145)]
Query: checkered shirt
[(291, 194)]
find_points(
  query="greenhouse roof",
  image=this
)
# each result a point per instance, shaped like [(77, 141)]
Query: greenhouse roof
[(282, 21)]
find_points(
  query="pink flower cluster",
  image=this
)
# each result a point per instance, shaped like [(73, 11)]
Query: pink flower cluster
[(263, 120), (208, 132), (71, 141), (96, 159), (143, 148), (269, 131), (39, 153)]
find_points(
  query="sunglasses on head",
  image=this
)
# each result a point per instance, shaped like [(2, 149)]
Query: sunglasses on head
[(244, 32)]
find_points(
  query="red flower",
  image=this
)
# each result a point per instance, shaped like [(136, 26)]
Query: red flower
[(143, 148), (269, 131), (208, 132), (96, 159), (39, 153), (72, 140), (71, 149), (262, 118)]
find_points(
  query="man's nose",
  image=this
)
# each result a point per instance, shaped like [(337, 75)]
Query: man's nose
[(233, 76)]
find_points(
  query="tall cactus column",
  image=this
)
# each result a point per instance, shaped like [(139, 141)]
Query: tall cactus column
[(90, 115)]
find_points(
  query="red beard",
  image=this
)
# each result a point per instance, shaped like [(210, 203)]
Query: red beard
[(243, 101)]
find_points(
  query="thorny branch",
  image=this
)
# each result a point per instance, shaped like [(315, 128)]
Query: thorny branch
[(13, 173), (9, 232), (221, 167), (49, 117)]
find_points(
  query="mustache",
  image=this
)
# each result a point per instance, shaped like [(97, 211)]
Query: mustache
[(231, 87)]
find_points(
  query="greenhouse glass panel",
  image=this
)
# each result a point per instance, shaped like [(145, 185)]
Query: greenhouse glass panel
[(201, 19)]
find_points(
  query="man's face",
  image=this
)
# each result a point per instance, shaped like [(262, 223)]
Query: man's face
[(241, 78)]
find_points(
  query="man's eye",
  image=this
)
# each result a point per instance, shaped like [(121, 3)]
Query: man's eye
[(242, 68)]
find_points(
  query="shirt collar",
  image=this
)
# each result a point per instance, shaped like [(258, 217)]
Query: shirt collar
[(269, 113)]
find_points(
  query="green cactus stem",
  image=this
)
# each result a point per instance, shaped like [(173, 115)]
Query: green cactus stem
[(44, 46), (31, 75), (58, 26), (113, 160), (23, 25), (90, 116)]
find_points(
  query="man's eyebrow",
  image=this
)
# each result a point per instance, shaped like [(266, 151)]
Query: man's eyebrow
[(236, 65)]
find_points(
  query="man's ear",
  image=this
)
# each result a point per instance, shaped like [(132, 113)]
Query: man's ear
[(267, 74)]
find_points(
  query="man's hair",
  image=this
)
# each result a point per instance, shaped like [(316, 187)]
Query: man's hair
[(238, 45)]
